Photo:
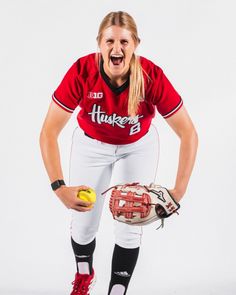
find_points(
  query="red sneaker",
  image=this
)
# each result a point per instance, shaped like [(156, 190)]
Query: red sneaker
[(83, 283)]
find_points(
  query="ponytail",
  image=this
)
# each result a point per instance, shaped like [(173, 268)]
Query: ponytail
[(136, 87)]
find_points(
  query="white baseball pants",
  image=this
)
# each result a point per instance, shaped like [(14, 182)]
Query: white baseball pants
[(100, 165)]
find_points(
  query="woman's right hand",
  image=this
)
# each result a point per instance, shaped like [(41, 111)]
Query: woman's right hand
[(68, 196)]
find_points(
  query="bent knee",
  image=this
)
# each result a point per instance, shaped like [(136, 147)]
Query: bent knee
[(128, 236)]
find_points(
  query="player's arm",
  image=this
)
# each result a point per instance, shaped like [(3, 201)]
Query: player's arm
[(183, 126), (54, 122)]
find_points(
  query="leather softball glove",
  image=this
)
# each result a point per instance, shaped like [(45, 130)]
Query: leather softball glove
[(137, 204)]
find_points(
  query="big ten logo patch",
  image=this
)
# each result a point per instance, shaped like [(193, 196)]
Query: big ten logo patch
[(95, 95)]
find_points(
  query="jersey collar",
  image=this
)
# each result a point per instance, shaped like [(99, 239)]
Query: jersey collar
[(116, 90)]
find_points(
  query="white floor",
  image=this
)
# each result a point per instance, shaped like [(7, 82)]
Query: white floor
[(229, 289)]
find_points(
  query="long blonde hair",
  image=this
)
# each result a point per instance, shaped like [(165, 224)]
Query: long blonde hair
[(136, 87)]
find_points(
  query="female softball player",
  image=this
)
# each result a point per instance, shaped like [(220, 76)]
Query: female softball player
[(118, 94)]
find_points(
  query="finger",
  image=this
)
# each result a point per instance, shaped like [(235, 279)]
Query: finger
[(80, 187), (83, 187), (83, 203), (82, 209)]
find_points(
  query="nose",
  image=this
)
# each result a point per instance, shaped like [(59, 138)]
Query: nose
[(117, 47)]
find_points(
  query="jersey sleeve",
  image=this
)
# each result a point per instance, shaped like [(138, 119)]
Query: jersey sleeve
[(167, 99), (68, 94)]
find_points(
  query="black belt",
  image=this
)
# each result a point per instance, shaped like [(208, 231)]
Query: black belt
[(88, 135)]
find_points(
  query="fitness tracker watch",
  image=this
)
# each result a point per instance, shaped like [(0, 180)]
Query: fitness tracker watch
[(56, 184)]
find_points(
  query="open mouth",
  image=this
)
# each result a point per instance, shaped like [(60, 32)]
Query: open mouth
[(116, 59)]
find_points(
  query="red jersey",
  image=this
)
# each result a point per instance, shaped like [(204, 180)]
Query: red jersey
[(104, 107)]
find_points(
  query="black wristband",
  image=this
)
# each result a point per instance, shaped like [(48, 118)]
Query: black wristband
[(58, 183)]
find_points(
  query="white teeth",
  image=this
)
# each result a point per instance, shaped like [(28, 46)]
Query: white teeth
[(116, 55)]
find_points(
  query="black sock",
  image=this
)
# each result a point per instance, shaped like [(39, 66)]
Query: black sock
[(123, 264), (84, 253)]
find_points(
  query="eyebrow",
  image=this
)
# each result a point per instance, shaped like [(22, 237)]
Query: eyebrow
[(122, 39)]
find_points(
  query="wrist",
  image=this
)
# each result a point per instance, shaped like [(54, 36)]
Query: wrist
[(177, 194), (60, 190), (57, 184)]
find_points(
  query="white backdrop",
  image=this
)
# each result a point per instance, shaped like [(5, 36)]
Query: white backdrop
[(194, 43)]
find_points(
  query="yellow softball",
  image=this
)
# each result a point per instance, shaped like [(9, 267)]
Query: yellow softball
[(88, 195)]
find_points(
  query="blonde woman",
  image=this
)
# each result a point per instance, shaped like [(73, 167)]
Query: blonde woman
[(118, 94)]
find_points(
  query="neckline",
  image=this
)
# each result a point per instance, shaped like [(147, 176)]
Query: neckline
[(116, 90)]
